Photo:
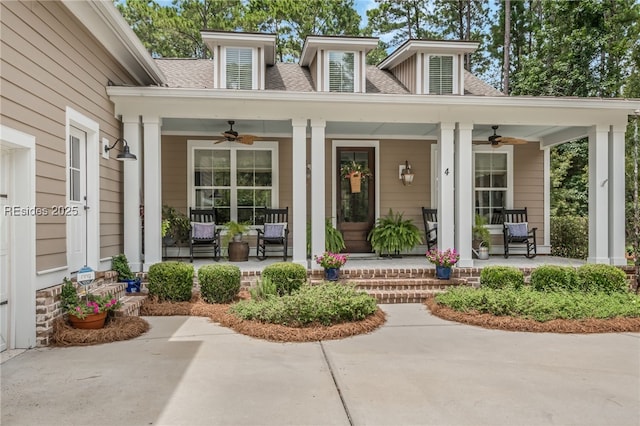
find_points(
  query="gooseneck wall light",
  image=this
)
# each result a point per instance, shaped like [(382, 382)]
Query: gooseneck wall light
[(124, 155)]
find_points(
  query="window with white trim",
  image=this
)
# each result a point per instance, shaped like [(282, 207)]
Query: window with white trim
[(236, 181), (239, 68), (492, 180), (440, 71), (342, 71)]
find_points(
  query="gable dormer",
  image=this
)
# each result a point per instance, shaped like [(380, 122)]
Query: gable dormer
[(433, 67), (337, 64), (240, 59)]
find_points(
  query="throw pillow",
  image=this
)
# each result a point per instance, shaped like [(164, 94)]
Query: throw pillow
[(519, 230), (274, 230), (202, 231)]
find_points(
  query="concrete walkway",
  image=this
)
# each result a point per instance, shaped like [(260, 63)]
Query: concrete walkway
[(415, 370)]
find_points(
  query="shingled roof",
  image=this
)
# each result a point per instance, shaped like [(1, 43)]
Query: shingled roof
[(198, 74)]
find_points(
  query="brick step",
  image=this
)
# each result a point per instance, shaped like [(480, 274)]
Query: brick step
[(131, 305), (402, 296), (356, 274), (413, 284)]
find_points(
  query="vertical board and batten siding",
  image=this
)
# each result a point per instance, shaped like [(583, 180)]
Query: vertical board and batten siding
[(406, 73), (51, 62), (528, 184)]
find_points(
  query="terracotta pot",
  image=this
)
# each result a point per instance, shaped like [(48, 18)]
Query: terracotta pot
[(355, 180), (91, 322)]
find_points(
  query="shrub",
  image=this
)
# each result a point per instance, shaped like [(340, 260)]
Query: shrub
[(264, 289), (287, 277), (570, 236), (602, 278), (541, 306), (498, 277), (555, 278), (171, 281), (219, 283), (120, 264), (327, 303)]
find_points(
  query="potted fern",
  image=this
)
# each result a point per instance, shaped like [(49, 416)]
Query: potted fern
[(393, 234)]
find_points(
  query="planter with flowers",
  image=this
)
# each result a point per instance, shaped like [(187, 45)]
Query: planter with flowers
[(331, 262), (356, 173), (88, 312), (443, 260)]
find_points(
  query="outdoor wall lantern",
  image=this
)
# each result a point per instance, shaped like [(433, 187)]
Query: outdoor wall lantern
[(124, 155), (406, 174)]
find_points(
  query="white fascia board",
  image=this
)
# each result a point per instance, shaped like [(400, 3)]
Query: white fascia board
[(313, 43), (227, 38), (106, 23), (563, 136), (427, 46)]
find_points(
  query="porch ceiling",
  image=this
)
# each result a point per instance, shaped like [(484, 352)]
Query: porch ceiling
[(282, 128)]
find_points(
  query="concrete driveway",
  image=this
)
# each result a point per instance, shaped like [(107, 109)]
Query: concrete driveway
[(415, 370)]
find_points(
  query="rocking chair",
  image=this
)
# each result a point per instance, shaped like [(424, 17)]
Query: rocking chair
[(274, 232), (430, 219), (516, 231), (204, 233)]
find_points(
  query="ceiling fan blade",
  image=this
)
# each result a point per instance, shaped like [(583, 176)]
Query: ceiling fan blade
[(246, 139), (220, 141), (496, 144), (511, 141), (230, 136)]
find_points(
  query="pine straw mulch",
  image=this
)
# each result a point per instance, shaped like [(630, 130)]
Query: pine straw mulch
[(274, 332), (613, 325), (114, 330)]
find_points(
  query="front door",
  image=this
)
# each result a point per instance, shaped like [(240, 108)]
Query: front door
[(356, 210), (74, 211), (5, 242)]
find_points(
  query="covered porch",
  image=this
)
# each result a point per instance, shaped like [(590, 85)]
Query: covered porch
[(439, 136)]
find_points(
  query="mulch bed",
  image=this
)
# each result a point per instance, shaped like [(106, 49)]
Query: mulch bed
[(273, 332), (114, 330), (613, 325)]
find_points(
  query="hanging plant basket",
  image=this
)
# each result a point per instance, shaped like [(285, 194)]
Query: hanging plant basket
[(356, 181)]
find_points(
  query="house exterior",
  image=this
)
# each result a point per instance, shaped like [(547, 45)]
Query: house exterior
[(75, 78)]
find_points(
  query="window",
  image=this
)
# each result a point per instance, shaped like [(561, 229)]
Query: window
[(234, 181), (342, 72), (441, 81), (492, 183), (239, 68)]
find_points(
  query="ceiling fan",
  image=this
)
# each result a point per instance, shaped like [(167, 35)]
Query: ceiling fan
[(496, 140), (233, 136)]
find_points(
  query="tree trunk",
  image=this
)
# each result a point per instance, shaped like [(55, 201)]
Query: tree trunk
[(507, 46)]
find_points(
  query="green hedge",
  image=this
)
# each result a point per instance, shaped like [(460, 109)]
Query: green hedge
[(327, 303), (555, 278), (570, 236), (499, 277), (219, 283), (171, 281), (287, 277), (603, 278)]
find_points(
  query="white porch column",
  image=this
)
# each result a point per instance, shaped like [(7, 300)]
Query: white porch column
[(152, 192), (616, 196), (598, 195), (446, 202), (132, 228), (299, 211), (464, 193), (317, 189)]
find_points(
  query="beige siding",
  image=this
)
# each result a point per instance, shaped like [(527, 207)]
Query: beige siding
[(50, 62), (528, 182), (406, 73)]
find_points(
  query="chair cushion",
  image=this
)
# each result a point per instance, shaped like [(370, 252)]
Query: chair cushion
[(274, 230), (520, 229), (203, 231), (432, 225)]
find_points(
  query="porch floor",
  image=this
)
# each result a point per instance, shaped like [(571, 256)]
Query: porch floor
[(361, 261)]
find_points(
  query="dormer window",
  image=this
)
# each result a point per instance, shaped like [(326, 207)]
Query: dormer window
[(341, 71), (440, 74), (239, 68)]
